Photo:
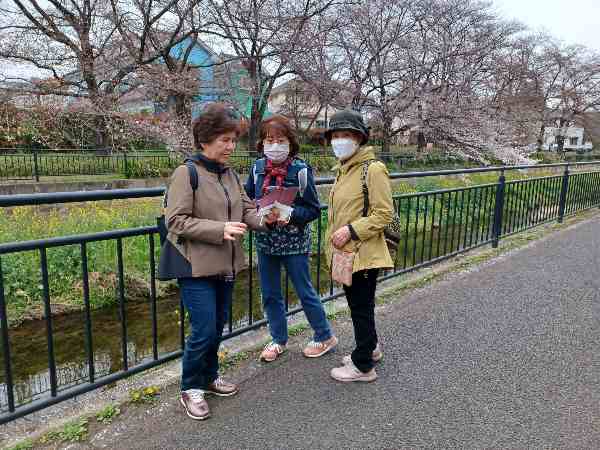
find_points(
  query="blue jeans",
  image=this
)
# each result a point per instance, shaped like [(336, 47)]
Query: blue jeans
[(297, 267), (207, 302)]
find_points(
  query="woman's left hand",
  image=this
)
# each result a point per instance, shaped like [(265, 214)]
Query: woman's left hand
[(341, 237)]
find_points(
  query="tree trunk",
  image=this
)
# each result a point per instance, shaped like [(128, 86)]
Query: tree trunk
[(540, 138), (181, 109), (420, 140), (102, 138), (560, 139), (253, 127), (386, 138)]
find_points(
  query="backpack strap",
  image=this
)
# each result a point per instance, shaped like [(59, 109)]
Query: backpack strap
[(193, 174), (302, 180), (237, 179), (365, 187), (258, 168)]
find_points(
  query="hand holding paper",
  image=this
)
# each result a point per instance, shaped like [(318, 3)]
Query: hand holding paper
[(278, 201)]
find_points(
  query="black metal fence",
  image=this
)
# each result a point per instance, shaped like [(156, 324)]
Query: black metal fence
[(437, 225), (34, 164)]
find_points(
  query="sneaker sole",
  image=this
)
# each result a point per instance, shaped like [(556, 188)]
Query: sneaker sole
[(221, 394), (369, 379), (190, 415), (270, 360)]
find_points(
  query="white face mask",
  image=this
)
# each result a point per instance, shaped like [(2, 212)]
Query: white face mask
[(344, 148), (277, 152)]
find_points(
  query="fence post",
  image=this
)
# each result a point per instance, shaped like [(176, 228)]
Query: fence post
[(563, 194), (499, 209), (125, 165), (36, 171)]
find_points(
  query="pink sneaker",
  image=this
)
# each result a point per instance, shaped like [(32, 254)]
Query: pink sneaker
[(272, 351), (377, 356), (316, 349)]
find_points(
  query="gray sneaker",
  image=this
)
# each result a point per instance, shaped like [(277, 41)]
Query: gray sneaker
[(377, 356)]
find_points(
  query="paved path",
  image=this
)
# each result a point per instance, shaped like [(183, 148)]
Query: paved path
[(504, 356)]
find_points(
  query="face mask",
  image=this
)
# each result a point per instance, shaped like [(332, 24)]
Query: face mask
[(344, 148), (277, 152)]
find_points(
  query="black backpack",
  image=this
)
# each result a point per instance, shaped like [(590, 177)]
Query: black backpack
[(160, 220)]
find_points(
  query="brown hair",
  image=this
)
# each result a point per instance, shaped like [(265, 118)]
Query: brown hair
[(216, 119), (279, 125)]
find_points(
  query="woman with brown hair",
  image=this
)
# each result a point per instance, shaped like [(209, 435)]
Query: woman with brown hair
[(289, 243), (207, 213)]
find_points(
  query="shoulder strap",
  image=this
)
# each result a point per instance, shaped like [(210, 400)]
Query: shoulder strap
[(194, 179), (237, 178), (193, 174), (303, 180), (302, 174), (365, 187)]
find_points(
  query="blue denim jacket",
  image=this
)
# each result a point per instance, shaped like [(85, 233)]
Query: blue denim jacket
[(294, 238)]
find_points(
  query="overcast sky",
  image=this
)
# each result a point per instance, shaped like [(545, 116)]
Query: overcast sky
[(574, 21)]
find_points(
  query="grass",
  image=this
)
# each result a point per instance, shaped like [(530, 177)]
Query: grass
[(107, 414), (74, 431), (22, 281), (26, 444)]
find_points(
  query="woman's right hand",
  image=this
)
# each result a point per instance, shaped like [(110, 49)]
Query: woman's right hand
[(234, 229)]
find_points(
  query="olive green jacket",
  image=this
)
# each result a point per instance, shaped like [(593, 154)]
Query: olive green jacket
[(346, 202)]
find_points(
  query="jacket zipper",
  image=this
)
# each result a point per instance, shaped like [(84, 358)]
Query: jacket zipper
[(229, 220)]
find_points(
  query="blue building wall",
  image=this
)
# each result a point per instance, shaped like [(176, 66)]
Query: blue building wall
[(198, 56)]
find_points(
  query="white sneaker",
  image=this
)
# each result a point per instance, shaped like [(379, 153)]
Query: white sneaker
[(349, 373)]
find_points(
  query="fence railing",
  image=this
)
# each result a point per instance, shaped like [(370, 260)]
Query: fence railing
[(144, 164), (437, 225)]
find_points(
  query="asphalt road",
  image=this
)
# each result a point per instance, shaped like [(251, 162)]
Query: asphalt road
[(503, 356)]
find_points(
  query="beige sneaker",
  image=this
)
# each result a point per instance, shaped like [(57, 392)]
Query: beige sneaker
[(272, 351), (316, 349), (349, 373), (377, 356)]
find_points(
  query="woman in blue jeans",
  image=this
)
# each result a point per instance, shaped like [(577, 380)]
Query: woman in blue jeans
[(207, 214), (289, 243)]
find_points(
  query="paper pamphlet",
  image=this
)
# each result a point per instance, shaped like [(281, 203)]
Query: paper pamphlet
[(280, 198)]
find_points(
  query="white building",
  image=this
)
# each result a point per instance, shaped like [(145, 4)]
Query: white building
[(574, 139)]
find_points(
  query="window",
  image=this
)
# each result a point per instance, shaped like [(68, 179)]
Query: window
[(574, 141)]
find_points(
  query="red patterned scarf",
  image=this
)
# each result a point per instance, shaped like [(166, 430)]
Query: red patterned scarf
[(278, 171)]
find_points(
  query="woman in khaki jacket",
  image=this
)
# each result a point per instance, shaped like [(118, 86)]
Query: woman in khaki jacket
[(349, 230), (207, 214)]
